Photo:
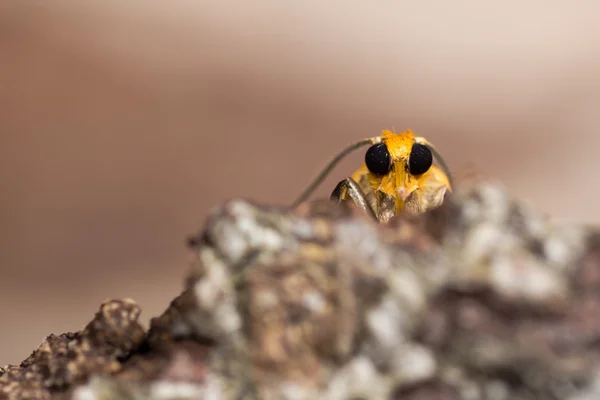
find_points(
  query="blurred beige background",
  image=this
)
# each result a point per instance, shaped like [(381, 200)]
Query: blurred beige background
[(123, 124)]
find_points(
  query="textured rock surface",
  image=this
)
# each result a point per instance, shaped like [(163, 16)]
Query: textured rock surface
[(69, 359), (480, 299)]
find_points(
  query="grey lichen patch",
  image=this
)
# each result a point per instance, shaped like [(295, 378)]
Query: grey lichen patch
[(508, 248), (482, 298)]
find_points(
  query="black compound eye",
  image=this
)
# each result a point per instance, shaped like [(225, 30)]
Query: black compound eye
[(420, 159), (378, 159)]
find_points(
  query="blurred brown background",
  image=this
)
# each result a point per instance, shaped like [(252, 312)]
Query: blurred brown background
[(123, 124)]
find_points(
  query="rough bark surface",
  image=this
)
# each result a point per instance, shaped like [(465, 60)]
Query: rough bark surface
[(482, 298)]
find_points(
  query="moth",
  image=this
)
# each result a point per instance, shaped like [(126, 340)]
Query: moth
[(398, 175)]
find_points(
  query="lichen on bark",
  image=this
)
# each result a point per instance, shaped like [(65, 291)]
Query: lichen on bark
[(482, 298)]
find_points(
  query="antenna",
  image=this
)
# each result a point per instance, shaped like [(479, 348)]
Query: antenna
[(442, 163), (317, 181)]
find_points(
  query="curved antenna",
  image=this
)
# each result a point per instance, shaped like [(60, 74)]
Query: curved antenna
[(317, 181), (440, 160)]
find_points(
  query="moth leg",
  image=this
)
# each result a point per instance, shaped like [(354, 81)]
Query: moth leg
[(423, 200), (414, 203), (348, 188)]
